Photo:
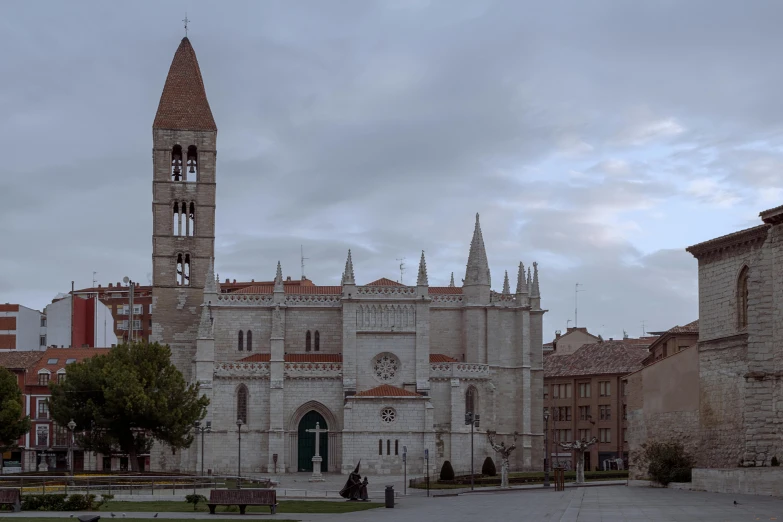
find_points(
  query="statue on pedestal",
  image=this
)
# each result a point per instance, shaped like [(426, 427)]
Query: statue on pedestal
[(579, 446), (505, 452), (354, 488)]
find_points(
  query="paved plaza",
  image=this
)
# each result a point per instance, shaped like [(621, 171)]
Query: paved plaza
[(589, 504)]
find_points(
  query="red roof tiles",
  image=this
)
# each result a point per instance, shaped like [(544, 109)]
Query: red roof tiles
[(290, 290), (183, 104), (440, 358), (445, 290), (384, 282), (62, 356), (606, 358), (19, 360), (385, 390)]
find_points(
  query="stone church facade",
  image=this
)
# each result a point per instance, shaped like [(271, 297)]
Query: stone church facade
[(382, 366)]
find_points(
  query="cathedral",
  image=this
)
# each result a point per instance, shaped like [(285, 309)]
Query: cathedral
[(383, 369)]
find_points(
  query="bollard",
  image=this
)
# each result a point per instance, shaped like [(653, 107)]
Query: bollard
[(389, 496)]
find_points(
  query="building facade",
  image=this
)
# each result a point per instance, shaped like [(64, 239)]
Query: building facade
[(585, 397), (672, 341), (132, 321), (78, 321), (21, 328), (384, 367)]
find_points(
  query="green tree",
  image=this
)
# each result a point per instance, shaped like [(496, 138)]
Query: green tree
[(13, 424), (127, 399)]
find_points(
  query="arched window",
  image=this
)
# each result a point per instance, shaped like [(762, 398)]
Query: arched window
[(396, 446), (183, 269), (388, 446), (175, 228), (471, 400), (239, 341), (742, 299), (242, 403), (176, 163), (249, 343), (307, 341), (192, 220), (192, 174), (317, 341), (380, 446)]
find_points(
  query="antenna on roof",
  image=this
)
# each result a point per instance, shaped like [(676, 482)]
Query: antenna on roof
[(402, 267), (93, 278), (186, 23), (302, 258), (644, 332), (576, 304)]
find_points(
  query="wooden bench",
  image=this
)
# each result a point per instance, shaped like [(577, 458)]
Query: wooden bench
[(242, 498), (11, 497)]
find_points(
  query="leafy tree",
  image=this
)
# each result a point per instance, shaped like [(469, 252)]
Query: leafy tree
[(12, 423), (125, 400), (667, 462)]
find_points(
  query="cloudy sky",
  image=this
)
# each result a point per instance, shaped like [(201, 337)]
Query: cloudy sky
[(599, 138)]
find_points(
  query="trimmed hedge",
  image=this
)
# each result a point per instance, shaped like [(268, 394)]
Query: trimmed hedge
[(538, 478), (488, 468), (59, 502), (447, 472)]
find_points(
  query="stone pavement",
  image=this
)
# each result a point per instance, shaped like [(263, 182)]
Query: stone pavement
[(590, 504)]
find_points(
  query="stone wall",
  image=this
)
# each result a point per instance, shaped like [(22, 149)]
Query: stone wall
[(446, 332), (230, 320), (328, 323), (743, 481)]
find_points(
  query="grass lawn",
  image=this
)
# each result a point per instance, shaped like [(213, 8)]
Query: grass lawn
[(283, 506)]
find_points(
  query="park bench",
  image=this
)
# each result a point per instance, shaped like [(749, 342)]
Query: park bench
[(11, 497), (242, 498)]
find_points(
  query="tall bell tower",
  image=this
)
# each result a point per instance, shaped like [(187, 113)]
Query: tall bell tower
[(184, 138)]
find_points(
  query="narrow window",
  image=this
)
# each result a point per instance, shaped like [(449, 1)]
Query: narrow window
[(249, 343), (380, 446), (186, 271), (742, 299), (471, 397), (317, 341), (176, 163), (242, 403), (388, 446), (307, 341), (239, 341), (180, 269), (175, 225), (192, 164), (183, 219), (192, 220), (43, 379), (396, 446)]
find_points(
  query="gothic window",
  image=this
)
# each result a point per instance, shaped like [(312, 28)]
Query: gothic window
[(388, 446), (471, 400), (176, 163), (192, 220), (317, 341), (239, 341), (242, 403), (380, 446), (192, 165), (249, 343), (307, 341), (183, 269), (742, 299)]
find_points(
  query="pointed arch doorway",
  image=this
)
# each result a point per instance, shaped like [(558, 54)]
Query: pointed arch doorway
[(306, 443)]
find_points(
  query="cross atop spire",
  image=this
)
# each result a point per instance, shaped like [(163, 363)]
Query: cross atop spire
[(422, 280), (185, 20), (477, 272), (348, 277)]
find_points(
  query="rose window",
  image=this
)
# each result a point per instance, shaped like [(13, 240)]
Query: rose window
[(385, 367), (388, 415)]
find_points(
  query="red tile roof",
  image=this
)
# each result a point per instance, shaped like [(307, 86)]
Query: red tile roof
[(445, 290), (747, 236), (440, 358), (297, 357), (183, 104), (19, 360), (385, 390), (62, 355), (384, 282), (689, 328), (606, 358)]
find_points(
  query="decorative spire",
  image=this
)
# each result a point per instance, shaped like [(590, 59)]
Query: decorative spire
[(477, 272), (506, 288), (205, 325), (183, 104), (348, 277), (529, 278), (279, 278), (422, 280), (534, 291), (210, 285), (521, 283), (451, 283)]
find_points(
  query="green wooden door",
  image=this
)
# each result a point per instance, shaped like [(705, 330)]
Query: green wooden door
[(307, 442)]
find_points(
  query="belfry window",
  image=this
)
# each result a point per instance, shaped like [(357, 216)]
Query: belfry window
[(242, 403), (176, 228), (742, 299), (176, 163), (317, 341), (307, 341), (192, 220), (249, 343), (192, 164), (239, 341), (183, 269)]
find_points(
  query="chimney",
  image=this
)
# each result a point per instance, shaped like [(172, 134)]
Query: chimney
[(288, 278), (557, 335), (611, 338), (111, 285)]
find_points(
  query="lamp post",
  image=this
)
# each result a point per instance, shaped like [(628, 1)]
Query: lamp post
[(239, 453), (202, 429), (472, 419), (71, 427), (546, 448)]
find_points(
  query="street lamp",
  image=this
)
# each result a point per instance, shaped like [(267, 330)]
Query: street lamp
[(239, 456), (546, 448), (472, 419), (71, 427), (203, 429)]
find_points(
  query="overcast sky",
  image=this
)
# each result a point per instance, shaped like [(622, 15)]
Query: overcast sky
[(599, 138)]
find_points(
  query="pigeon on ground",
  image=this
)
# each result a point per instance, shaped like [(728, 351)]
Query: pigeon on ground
[(113, 515), (155, 515), (736, 503)]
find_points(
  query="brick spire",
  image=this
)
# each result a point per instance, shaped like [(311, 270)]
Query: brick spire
[(477, 272), (183, 104), (422, 279)]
